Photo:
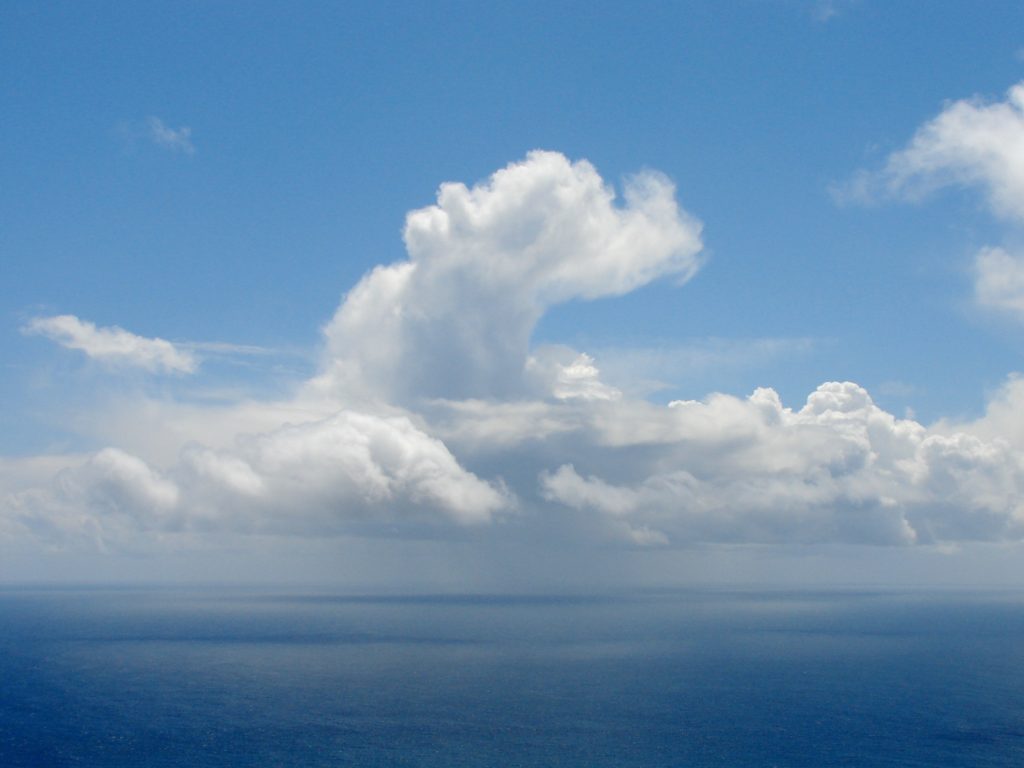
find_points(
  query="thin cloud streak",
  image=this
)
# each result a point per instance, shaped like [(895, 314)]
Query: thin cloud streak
[(173, 139), (643, 370)]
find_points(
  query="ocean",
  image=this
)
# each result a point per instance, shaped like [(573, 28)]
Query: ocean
[(704, 677)]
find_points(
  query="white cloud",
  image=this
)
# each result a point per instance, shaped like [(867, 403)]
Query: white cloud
[(432, 415), (646, 369), (999, 282), (485, 263), (567, 375), (349, 471), (826, 10), (113, 345), (1003, 420), (972, 142), (173, 139), (105, 500), (838, 469)]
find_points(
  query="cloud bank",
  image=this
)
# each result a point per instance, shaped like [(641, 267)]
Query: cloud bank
[(432, 415)]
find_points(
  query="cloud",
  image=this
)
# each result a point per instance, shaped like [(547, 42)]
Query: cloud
[(999, 282), (353, 465), (165, 137), (351, 471), (723, 469), (113, 345), (840, 469), (485, 262), (105, 499), (971, 142), (826, 10), (228, 349), (432, 415), (1003, 420), (645, 369)]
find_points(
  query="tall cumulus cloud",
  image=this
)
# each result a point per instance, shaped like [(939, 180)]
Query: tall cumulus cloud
[(485, 263)]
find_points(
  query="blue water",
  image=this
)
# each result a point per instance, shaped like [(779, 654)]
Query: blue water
[(674, 678)]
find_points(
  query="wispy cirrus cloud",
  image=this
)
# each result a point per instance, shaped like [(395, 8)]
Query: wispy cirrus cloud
[(165, 137), (227, 348), (113, 345), (826, 10)]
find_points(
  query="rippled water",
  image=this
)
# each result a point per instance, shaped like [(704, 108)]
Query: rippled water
[(675, 678)]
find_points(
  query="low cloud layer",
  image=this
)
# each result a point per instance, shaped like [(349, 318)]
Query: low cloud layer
[(838, 469), (432, 415)]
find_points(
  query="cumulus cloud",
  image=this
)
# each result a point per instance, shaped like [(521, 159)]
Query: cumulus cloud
[(1003, 420), (362, 463), (432, 415), (173, 139), (107, 498), (113, 345), (722, 469), (971, 142), (838, 469), (350, 471), (485, 262)]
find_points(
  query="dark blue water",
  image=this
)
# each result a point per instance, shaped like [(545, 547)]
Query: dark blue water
[(687, 678)]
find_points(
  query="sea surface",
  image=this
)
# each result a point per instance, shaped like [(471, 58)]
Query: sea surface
[(256, 677)]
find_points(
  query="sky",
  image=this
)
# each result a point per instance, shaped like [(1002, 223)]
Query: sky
[(512, 295)]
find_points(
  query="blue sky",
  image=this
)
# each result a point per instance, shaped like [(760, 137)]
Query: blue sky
[(219, 176)]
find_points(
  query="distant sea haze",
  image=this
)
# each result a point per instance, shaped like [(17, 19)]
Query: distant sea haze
[(246, 677)]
